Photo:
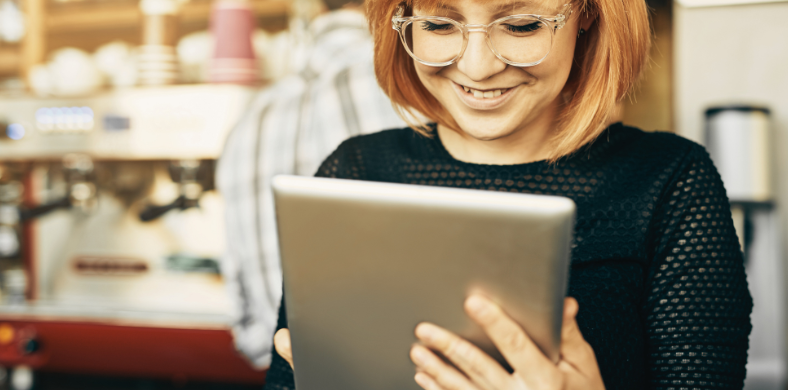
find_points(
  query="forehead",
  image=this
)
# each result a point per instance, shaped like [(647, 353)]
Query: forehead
[(491, 6)]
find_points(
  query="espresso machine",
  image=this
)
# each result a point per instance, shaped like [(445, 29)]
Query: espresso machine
[(111, 232)]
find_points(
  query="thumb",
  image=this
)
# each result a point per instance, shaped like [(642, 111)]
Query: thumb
[(282, 345), (574, 348), (569, 329)]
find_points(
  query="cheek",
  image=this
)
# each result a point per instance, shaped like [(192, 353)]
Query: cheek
[(564, 50), (432, 80), (556, 67), (426, 73)]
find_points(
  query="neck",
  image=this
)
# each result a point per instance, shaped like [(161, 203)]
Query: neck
[(527, 144)]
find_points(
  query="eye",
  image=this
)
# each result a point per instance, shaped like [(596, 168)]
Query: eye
[(523, 28), (432, 26)]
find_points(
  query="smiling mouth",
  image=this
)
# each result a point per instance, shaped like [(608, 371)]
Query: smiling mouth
[(479, 99), (484, 94)]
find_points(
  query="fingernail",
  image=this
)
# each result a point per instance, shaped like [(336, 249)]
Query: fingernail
[(424, 331), (422, 379), (419, 354), (476, 305)]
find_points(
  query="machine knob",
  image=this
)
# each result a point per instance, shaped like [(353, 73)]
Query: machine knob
[(30, 346), (11, 131), (9, 241)]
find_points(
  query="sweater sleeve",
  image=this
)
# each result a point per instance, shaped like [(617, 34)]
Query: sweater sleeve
[(697, 305), (344, 163)]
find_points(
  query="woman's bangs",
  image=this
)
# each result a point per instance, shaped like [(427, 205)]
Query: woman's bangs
[(429, 6)]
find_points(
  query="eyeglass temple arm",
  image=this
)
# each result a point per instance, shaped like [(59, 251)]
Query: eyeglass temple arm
[(560, 19), (396, 20)]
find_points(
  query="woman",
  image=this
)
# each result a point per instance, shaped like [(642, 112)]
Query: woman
[(519, 94)]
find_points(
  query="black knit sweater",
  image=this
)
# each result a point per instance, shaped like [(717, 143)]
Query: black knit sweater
[(656, 265)]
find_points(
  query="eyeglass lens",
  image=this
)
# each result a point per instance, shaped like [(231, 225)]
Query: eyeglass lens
[(522, 40)]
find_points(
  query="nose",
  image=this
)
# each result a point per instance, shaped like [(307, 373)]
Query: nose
[(479, 62)]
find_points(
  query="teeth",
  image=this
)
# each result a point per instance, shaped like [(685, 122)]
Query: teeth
[(484, 94)]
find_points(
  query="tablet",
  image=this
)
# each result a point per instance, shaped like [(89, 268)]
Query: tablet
[(365, 262)]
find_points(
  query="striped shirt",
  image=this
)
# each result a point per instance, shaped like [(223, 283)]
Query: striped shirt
[(289, 129)]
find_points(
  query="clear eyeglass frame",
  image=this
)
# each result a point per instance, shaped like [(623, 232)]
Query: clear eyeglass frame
[(399, 22)]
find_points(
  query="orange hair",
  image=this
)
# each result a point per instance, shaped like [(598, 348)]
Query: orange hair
[(608, 62)]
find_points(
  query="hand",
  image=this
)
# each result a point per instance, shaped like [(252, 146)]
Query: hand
[(576, 369), (282, 344)]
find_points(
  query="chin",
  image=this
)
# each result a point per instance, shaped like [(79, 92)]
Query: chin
[(483, 135), (486, 129)]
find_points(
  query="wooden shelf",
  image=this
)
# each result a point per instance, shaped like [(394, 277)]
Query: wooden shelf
[(201, 10), (102, 16), (82, 17), (9, 60), (88, 24)]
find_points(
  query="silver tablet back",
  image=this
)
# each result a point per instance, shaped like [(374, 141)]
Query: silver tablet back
[(365, 262)]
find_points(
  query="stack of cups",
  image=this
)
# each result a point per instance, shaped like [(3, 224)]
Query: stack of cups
[(232, 26), (158, 61)]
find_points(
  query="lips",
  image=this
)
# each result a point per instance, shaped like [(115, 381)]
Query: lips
[(483, 99)]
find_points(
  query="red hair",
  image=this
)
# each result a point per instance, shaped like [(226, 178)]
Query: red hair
[(608, 62)]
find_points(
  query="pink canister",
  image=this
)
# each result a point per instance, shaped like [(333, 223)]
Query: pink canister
[(232, 25)]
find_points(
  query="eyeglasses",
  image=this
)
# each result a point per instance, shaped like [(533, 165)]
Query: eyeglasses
[(518, 40)]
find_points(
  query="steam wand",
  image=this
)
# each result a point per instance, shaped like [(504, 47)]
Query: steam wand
[(35, 212)]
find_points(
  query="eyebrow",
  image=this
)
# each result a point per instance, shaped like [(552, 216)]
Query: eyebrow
[(446, 7), (517, 4), (500, 9), (531, 7)]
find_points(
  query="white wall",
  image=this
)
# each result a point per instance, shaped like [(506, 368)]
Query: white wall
[(739, 54), (730, 54)]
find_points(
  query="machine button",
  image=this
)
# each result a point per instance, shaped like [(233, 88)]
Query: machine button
[(9, 243), (30, 346), (11, 131), (22, 378), (6, 333)]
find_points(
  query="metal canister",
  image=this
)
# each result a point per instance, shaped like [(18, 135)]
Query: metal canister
[(738, 139)]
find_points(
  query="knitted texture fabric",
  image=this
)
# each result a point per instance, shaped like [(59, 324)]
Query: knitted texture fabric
[(656, 265)]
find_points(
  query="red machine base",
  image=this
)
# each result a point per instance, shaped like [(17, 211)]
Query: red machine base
[(137, 351)]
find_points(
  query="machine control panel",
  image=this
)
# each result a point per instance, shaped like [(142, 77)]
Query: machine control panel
[(179, 122), (64, 119)]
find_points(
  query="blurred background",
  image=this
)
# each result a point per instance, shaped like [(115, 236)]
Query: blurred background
[(113, 114)]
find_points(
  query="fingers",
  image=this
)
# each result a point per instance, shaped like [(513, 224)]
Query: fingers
[(570, 332), (435, 373), (576, 353), (477, 365), (282, 345), (510, 338), (426, 382)]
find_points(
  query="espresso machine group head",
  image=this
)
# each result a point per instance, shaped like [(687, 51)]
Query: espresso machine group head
[(192, 177)]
